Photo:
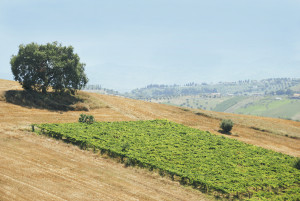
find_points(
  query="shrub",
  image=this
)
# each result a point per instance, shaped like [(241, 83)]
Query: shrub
[(89, 119), (226, 125)]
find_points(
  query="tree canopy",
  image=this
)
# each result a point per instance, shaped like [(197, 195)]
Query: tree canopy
[(38, 67)]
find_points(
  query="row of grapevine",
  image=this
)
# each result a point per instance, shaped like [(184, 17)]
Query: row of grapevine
[(209, 162)]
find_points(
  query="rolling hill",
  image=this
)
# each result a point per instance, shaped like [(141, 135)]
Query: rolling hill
[(250, 97), (39, 168)]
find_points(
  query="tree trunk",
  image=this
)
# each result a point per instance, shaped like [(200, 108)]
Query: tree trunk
[(44, 89)]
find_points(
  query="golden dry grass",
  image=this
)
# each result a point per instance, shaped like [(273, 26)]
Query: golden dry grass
[(38, 168)]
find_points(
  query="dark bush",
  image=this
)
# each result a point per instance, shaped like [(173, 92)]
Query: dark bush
[(129, 162), (125, 147), (226, 125), (89, 119), (297, 165)]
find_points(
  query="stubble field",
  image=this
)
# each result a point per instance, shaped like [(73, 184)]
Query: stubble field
[(39, 168)]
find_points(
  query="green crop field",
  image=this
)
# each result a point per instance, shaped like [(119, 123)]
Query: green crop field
[(197, 102), (215, 164), (228, 103), (269, 107), (296, 88)]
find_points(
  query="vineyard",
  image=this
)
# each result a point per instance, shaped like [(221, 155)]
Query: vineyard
[(214, 164)]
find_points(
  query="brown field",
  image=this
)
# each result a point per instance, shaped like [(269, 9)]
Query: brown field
[(39, 168)]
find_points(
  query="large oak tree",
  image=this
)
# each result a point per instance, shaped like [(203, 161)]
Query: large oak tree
[(37, 67)]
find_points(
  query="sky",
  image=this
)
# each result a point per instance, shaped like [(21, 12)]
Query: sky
[(129, 44)]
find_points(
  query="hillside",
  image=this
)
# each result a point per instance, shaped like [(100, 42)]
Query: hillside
[(269, 97), (243, 87), (36, 167), (283, 107)]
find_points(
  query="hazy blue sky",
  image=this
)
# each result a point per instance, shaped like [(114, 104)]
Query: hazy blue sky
[(131, 43)]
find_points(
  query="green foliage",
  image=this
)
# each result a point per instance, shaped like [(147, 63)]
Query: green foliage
[(129, 162), (226, 125), (208, 162), (297, 164), (89, 119), (228, 103), (125, 147), (270, 107), (38, 67)]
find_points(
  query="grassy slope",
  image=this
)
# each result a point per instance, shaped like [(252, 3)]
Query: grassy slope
[(38, 168), (285, 108), (16, 142), (81, 101), (258, 106), (228, 103), (193, 101)]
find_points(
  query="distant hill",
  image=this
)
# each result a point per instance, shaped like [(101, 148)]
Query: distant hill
[(242, 97), (271, 86), (296, 88)]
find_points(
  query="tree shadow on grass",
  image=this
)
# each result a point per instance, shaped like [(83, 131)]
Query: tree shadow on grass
[(224, 132), (50, 100)]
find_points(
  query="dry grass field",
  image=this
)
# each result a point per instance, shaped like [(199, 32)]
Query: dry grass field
[(35, 167)]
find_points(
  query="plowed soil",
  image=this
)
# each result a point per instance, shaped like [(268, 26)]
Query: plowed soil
[(35, 167)]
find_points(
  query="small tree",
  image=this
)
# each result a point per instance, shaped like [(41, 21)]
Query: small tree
[(226, 125), (37, 67)]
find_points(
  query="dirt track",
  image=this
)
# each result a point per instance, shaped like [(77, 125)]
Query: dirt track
[(39, 168)]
